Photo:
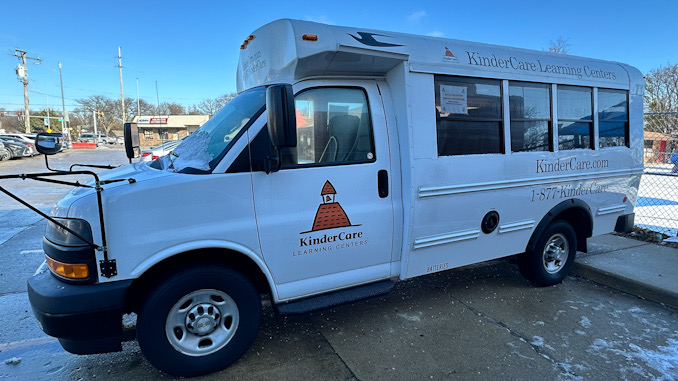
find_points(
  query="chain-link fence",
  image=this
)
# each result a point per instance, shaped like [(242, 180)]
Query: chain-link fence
[(657, 203)]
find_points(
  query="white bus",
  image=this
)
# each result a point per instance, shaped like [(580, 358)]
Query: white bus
[(351, 159)]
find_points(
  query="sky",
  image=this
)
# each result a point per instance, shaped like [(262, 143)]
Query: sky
[(191, 47)]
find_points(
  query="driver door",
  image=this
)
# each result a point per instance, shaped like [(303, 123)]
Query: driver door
[(325, 220)]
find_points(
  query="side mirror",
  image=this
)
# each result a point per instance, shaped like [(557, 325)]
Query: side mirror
[(48, 144), (131, 135), (282, 121)]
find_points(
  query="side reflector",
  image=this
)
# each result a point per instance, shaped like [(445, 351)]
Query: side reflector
[(68, 270), (310, 37)]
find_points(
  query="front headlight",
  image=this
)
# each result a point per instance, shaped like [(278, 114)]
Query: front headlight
[(69, 257), (61, 236)]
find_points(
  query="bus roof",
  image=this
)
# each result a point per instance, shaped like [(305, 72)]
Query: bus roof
[(289, 50)]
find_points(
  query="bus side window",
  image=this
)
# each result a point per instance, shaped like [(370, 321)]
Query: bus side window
[(531, 128), (613, 118), (575, 117), (468, 116)]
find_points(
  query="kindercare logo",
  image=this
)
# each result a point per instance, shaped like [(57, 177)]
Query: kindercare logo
[(449, 56), (527, 65), (330, 216), (571, 164)]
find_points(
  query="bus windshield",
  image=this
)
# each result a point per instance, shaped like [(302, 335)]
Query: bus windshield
[(201, 151)]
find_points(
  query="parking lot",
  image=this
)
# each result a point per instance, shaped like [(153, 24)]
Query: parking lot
[(481, 322)]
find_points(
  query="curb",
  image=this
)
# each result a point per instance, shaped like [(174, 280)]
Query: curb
[(630, 286)]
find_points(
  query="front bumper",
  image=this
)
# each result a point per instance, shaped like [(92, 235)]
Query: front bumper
[(86, 318)]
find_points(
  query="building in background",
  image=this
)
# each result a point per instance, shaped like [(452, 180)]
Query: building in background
[(658, 147), (154, 130)]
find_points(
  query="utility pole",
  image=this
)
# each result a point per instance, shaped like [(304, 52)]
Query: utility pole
[(96, 133), (23, 74), (122, 93), (157, 97), (138, 108), (49, 126), (65, 124)]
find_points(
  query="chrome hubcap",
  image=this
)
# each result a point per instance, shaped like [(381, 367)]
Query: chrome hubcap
[(202, 322), (203, 319), (555, 254)]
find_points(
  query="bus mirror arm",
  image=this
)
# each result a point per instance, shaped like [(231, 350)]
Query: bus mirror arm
[(108, 266), (272, 164)]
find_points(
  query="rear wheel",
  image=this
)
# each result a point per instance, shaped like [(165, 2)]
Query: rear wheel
[(552, 257), (199, 321), (4, 156)]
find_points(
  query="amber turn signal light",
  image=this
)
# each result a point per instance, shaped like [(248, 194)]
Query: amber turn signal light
[(68, 270), (310, 37)]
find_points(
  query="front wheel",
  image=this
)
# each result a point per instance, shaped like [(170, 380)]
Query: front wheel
[(199, 321), (552, 257)]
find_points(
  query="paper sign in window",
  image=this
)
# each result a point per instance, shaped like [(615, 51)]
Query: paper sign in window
[(453, 99)]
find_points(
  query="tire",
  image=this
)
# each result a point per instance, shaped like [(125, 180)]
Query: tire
[(199, 321), (5, 156), (552, 257)]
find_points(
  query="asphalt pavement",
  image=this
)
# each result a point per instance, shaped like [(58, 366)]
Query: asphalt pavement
[(643, 269)]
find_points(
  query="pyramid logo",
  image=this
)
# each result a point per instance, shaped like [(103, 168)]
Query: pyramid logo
[(330, 214), (449, 56)]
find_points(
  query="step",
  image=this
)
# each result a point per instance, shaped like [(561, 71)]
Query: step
[(336, 298)]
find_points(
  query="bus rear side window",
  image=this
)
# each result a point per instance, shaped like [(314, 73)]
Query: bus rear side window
[(575, 117), (613, 118), (468, 116)]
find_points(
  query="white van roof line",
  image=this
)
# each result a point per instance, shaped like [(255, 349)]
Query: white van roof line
[(279, 52)]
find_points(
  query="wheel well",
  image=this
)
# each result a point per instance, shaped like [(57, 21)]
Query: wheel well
[(215, 256), (580, 221), (577, 213)]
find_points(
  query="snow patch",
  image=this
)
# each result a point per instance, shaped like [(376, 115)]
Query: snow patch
[(13, 361), (538, 341), (585, 322), (192, 152), (129, 321), (416, 317), (664, 360)]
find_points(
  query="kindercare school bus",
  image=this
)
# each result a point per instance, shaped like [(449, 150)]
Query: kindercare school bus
[(351, 159)]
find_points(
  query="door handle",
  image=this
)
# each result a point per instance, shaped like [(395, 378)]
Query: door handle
[(382, 181)]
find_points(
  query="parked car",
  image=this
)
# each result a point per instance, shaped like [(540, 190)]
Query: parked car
[(89, 138), (28, 138), (15, 149), (161, 150), (28, 142), (4, 153)]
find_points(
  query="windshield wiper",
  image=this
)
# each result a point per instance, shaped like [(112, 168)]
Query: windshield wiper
[(171, 160)]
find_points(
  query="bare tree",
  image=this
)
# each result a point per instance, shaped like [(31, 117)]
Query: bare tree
[(108, 111), (560, 46), (211, 106), (661, 97), (171, 108)]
